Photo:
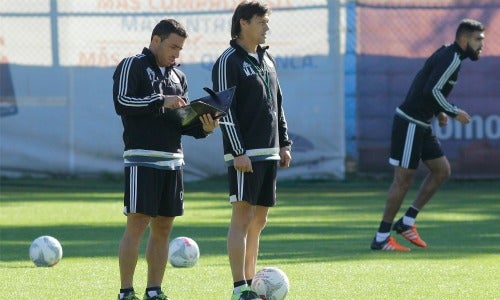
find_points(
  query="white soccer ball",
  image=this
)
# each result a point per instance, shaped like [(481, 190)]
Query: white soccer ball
[(271, 283), (45, 251), (183, 252)]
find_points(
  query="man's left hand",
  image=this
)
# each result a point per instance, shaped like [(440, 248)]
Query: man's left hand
[(442, 119), (208, 123), (285, 156)]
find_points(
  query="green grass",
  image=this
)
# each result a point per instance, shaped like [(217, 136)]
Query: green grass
[(319, 235)]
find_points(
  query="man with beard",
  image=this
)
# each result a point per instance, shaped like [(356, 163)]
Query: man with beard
[(412, 138)]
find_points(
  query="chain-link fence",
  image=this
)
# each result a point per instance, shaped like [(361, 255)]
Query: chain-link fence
[(101, 32), (413, 28), (57, 56), (393, 40), (60, 55)]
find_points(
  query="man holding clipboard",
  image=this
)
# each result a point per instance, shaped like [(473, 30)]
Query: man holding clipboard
[(146, 87), (215, 104)]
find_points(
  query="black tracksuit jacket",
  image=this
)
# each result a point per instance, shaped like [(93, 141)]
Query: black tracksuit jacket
[(152, 138), (258, 127), (432, 85)]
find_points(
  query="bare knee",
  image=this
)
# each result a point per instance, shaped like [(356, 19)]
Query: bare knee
[(161, 226), (259, 221), (137, 223), (442, 174), (440, 168), (402, 182)]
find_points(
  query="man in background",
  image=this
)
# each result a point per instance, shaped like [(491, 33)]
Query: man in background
[(412, 137)]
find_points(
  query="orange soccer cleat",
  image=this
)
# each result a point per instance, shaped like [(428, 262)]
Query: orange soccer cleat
[(389, 244), (409, 232)]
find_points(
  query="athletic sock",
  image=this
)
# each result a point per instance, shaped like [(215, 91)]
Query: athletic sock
[(238, 285), (124, 292), (410, 216), (384, 231), (249, 282), (153, 291), (381, 236)]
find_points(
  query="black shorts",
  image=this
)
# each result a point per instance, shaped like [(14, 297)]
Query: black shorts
[(153, 192), (257, 188), (411, 142)]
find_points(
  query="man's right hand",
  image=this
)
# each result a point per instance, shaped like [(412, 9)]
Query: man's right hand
[(243, 163), (173, 101)]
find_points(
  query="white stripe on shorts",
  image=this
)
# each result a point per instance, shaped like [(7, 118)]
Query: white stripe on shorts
[(133, 189), (410, 136), (240, 182)]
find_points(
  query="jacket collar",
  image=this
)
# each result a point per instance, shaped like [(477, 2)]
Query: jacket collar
[(152, 60), (260, 49)]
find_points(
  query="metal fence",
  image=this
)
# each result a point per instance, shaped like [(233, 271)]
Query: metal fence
[(393, 40)]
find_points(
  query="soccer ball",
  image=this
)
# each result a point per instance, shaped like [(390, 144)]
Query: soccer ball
[(271, 284), (183, 252), (45, 251)]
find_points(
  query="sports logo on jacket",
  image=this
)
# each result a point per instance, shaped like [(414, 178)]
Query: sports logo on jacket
[(151, 75), (247, 68), (156, 82)]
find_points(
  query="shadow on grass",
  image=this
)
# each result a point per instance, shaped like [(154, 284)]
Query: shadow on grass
[(308, 243), (315, 222)]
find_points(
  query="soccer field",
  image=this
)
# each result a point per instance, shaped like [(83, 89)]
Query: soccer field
[(319, 234)]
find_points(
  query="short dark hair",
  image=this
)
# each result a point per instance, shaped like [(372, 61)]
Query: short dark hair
[(167, 26), (468, 26), (246, 10)]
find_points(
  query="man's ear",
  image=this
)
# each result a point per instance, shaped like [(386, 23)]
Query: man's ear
[(243, 23), (156, 39), (462, 41)]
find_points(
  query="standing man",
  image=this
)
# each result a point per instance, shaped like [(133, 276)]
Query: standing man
[(254, 136), (145, 87), (412, 137)]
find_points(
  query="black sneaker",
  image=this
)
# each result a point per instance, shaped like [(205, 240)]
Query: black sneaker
[(159, 296), (245, 294), (129, 296)]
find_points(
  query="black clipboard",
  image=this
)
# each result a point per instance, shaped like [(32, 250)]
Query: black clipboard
[(215, 103)]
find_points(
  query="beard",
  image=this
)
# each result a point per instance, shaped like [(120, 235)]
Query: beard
[(471, 53)]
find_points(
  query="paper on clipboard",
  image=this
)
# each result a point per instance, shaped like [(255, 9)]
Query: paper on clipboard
[(216, 104)]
